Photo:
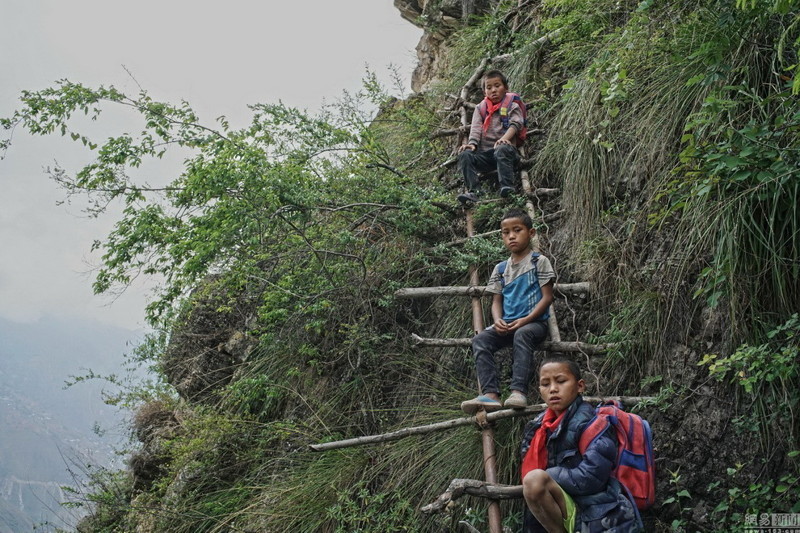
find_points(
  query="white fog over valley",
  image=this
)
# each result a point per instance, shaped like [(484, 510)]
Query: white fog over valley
[(218, 58)]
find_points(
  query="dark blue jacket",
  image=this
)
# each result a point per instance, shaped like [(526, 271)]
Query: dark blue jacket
[(586, 478)]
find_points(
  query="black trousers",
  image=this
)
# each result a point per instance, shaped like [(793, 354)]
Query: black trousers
[(503, 159)]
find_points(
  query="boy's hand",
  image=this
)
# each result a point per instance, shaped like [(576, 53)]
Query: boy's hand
[(470, 147), (501, 326), (501, 141), (516, 324)]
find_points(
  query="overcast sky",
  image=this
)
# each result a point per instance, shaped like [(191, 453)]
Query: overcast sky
[(219, 56)]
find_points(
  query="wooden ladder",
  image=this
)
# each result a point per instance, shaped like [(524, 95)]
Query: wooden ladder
[(475, 291)]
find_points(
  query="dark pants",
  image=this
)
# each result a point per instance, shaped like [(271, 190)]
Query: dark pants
[(486, 343), (502, 159)]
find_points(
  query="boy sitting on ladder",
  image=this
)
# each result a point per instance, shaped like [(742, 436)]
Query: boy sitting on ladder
[(497, 131), (523, 291), (567, 488)]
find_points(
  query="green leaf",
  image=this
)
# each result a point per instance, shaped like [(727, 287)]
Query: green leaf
[(746, 151), (694, 80), (741, 175), (732, 161)]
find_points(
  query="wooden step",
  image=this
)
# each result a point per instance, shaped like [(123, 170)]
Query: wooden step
[(568, 289), (542, 192), (550, 346), (463, 421)]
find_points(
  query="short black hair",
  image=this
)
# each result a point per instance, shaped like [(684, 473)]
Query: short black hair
[(521, 214), (571, 364), (495, 74)]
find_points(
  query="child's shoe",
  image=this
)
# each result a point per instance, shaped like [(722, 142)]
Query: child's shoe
[(488, 404), (517, 400), (505, 192), (468, 197)]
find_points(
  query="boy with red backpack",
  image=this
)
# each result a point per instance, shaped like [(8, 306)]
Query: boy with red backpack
[(497, 131), (569, 485)]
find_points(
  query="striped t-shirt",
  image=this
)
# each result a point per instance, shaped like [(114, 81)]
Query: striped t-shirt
[(521, 286)]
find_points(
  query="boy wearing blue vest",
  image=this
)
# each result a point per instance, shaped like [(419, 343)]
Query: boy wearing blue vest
[(564, 490), (496, 132), (522, 289)]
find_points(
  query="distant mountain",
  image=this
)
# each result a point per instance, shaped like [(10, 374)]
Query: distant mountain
[(48, 430)]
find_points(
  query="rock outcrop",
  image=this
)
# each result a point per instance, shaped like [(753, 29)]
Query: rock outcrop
[(439, 19)]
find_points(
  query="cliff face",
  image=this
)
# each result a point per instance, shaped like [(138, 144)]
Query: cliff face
[(646, 154), (439, 19)]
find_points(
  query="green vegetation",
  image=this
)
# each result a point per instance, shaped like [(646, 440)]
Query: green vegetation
[(766, 379), (671, 129)]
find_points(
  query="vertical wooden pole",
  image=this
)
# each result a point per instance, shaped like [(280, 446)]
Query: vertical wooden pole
[(474, 280), (487, 433), (552, 322)]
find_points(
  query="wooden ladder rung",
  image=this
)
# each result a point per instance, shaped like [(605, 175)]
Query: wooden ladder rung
[(568, 289), (463, 421), (549, 346), (541, 192)]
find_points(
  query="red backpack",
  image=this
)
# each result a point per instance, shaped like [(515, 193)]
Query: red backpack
[(505, 106), (634, 467)]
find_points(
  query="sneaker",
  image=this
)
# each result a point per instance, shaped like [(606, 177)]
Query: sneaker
[(517, 400), (468, 197), (488, 404), (505, 192)]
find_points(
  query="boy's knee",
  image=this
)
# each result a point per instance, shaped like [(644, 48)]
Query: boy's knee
[(535, 331), (505, 150), (465, 156), (481, 340), (534, 485)]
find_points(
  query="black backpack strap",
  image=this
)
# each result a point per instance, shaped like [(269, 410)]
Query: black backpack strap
[(534, 260), (501, 270)]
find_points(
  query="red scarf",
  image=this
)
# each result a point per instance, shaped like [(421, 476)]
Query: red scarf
[(490, 109), (536, 457)]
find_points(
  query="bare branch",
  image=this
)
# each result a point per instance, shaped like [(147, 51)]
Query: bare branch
[(387, 167), (541, 192), (476, 236), (423, 292), (450, 162), (467, 86), (447, 133), (554, 216), (473, 487), (458, 422), (360, 204), (550, 346), (470, 528)]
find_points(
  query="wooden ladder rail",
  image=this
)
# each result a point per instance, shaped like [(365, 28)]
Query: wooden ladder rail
[(552, 321), (487, 430)]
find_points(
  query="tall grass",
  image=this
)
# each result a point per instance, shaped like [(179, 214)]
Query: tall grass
[(618, 138)]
